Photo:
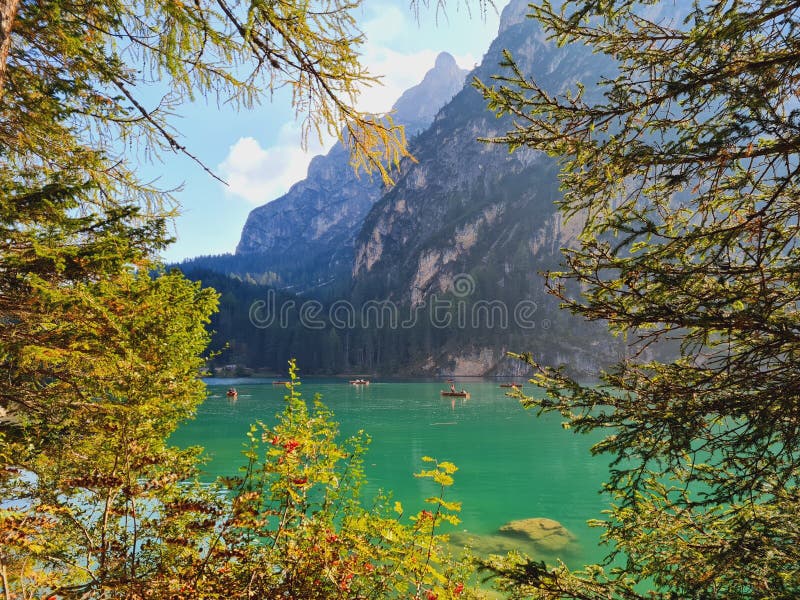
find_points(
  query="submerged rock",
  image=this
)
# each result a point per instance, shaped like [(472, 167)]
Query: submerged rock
[(546, 534), (537, 537)]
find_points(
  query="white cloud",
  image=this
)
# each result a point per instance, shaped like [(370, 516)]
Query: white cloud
[(261, 175), (388, 23)]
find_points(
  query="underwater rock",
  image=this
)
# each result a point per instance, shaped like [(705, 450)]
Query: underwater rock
[(545, 534), (536, 537)]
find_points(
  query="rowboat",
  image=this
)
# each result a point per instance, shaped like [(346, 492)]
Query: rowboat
[(359, 381), (510, 385), (461, 394)]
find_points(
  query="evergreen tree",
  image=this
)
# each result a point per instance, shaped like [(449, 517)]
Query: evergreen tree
[(685, 172), (102, 372)]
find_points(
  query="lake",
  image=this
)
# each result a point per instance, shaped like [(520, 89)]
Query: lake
[(512, 464)]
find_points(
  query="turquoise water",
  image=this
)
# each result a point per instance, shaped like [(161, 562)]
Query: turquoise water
[(512, 464)]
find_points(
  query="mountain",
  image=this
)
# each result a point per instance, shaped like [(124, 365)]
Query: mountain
[(417, 106), (306, 236), (439, 274), (470, 213), (462, 191)]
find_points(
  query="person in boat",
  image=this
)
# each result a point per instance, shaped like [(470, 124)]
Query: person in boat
[(453, 387)]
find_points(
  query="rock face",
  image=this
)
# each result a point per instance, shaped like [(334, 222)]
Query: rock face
[(463, 191), (418, 105), (470, 209), (311, 229)]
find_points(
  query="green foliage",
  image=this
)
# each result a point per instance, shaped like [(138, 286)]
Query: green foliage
[(99, 362), (368, 344), (101, 350), (684, 173), (103, 372)]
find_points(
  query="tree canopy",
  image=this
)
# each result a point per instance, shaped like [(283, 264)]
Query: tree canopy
[(77, 79), (684, 170)]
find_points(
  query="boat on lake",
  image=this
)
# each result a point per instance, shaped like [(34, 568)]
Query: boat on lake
[(232, 393), (280, 382), (359, 381), (461, 394), (510, 385)]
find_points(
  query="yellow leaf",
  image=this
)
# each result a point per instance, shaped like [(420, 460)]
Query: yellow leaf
[(448, 467)]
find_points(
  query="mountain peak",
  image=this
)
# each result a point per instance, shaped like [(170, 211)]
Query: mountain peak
[(515, 12), (418, 105), (319, 217), (445, 61)]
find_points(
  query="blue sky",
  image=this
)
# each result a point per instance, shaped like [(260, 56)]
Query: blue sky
[(259, 152)]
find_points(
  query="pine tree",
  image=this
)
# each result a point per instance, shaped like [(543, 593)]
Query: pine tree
[(683, 165)]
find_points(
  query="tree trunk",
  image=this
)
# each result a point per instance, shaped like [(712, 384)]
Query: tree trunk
[(8, 11)]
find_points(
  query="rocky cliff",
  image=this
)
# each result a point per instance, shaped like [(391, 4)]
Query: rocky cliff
[(311, 229), (469, 212)]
